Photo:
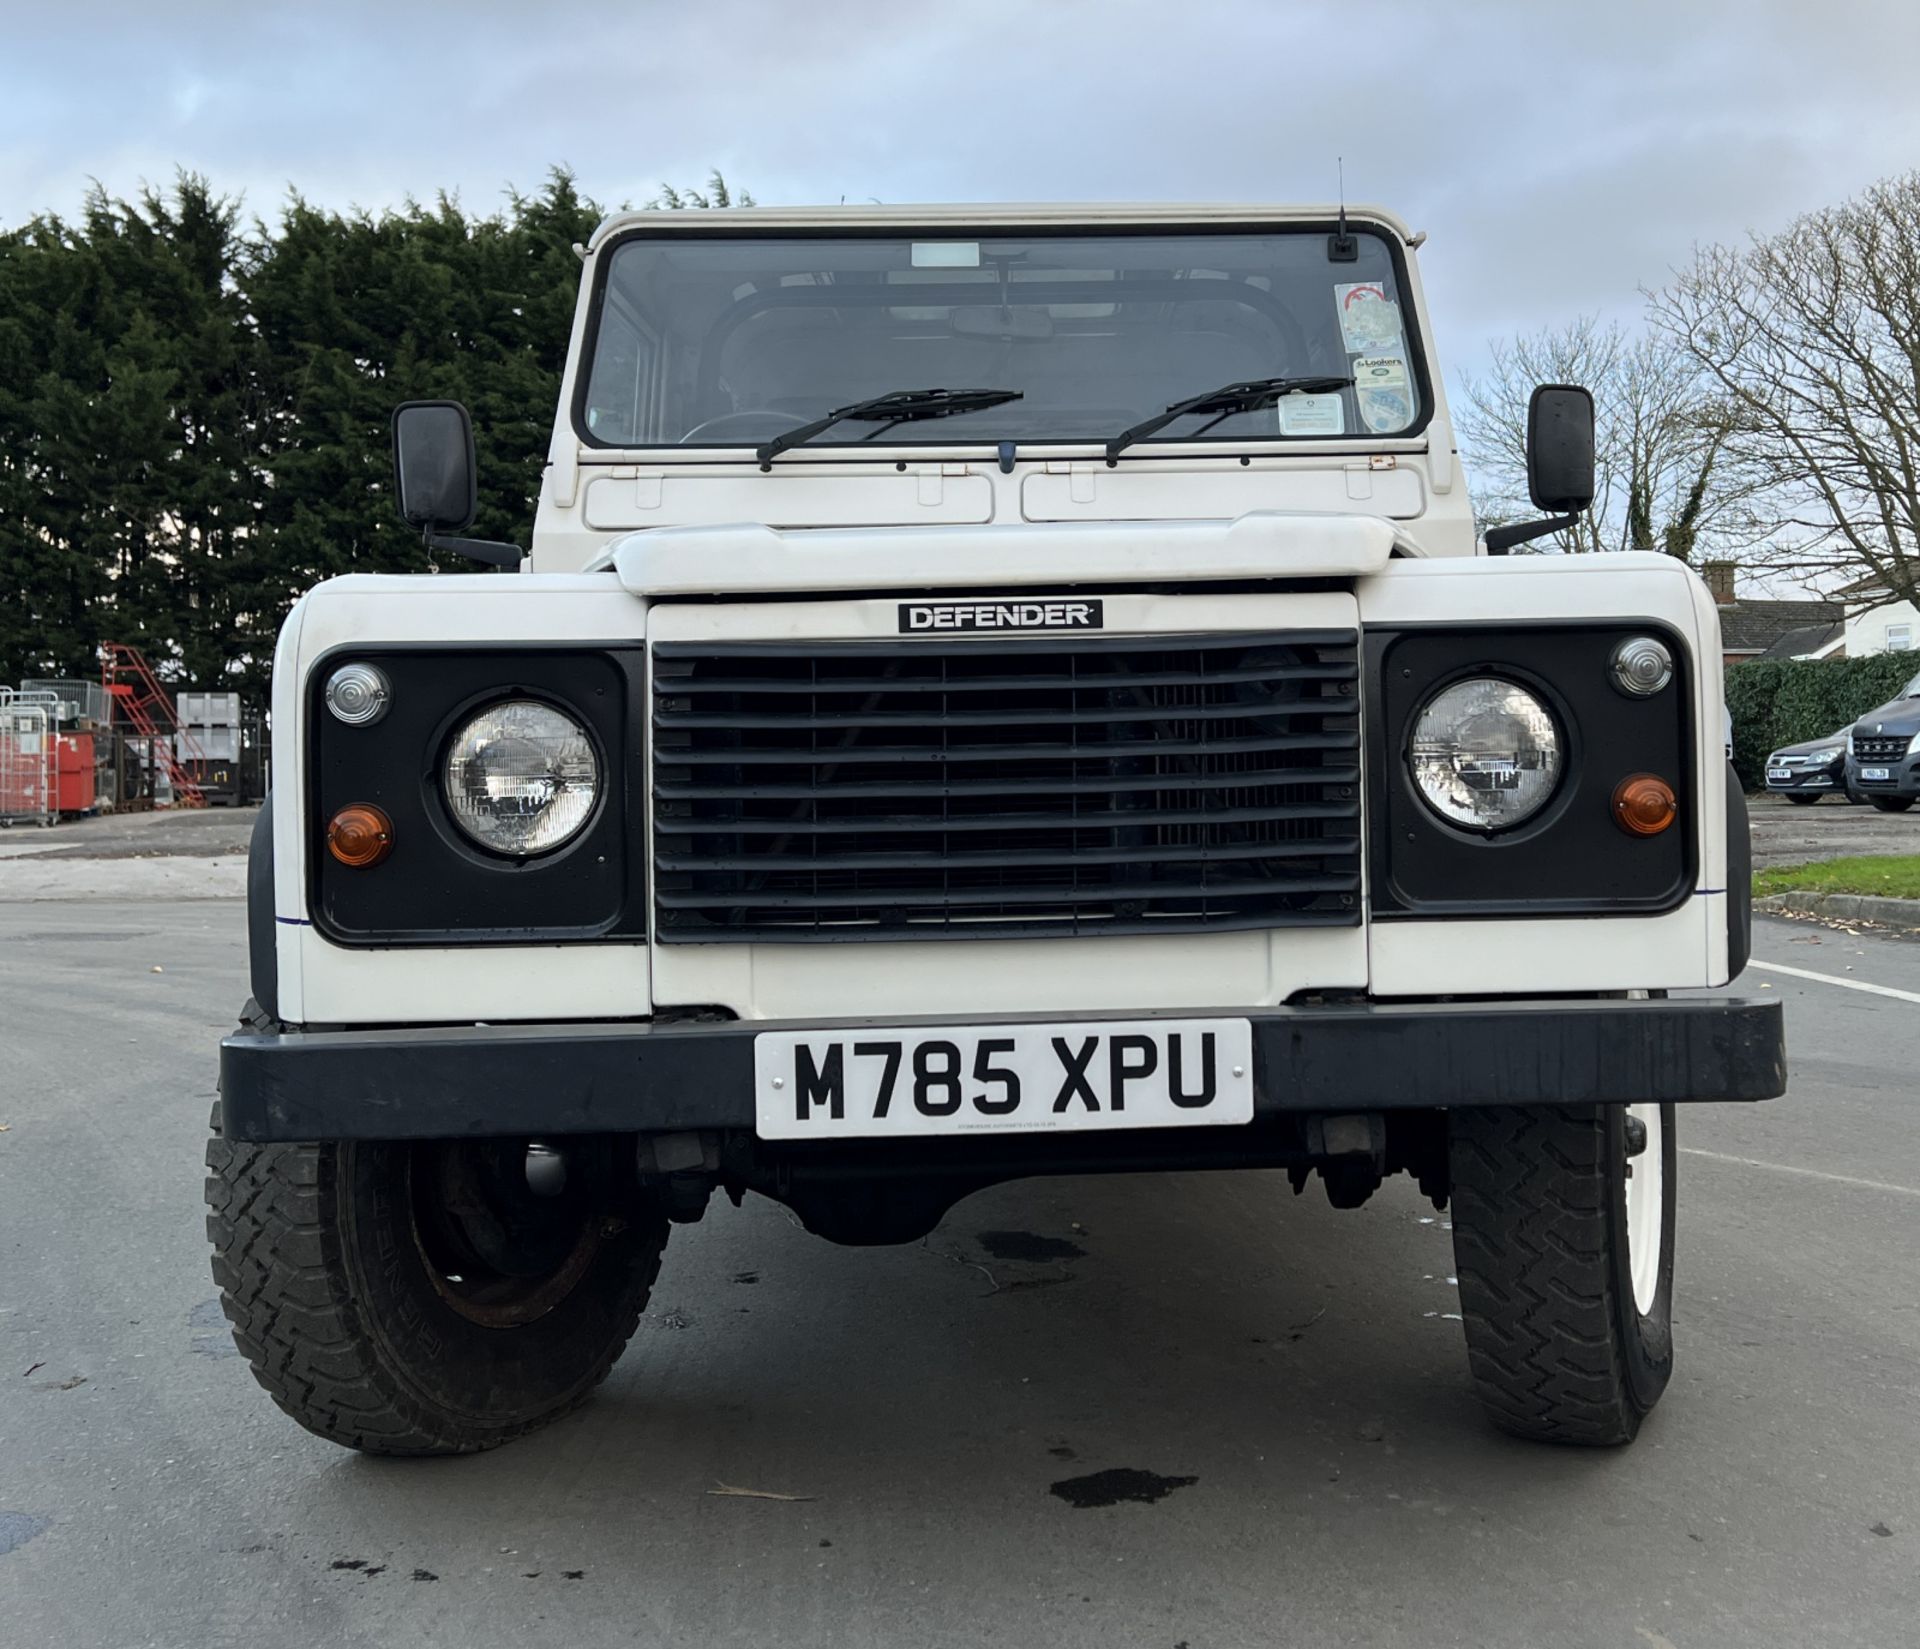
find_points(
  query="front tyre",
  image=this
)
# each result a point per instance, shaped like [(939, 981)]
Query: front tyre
[(1892, 804), (1563, 1242), (1802, 798), (422, 1298)]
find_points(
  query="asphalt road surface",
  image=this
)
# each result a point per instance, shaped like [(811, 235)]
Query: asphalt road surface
[(165, 833), (1288, 1377), (1832, 827)]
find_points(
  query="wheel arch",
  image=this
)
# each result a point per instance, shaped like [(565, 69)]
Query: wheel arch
[(1739, 878), (263, 961)]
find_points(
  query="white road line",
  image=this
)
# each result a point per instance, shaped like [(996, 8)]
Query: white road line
[(1804, 1173), (1835, 979)]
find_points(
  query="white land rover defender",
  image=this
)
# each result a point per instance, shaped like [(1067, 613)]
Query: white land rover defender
[(993, 692)]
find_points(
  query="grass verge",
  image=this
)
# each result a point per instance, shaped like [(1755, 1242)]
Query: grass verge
[(1887, 876)]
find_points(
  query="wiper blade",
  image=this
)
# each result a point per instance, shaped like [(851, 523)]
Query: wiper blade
[(1249, 396), (899, 407)]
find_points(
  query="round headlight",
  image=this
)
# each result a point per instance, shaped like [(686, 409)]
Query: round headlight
[(521, 778), (1485, 754)]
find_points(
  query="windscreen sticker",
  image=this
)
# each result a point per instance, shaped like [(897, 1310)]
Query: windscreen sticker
[(1312, 415), (1381, 390), (946, 254), (1369, 318)]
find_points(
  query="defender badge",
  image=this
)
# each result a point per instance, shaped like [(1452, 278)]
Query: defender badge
[(1050, 614)]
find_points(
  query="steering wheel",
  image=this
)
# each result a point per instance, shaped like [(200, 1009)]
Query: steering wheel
[(752, 424)]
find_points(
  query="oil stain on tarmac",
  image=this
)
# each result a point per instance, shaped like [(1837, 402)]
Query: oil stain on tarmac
[(17, 1528), (1117, 1483), (1028, 1248)]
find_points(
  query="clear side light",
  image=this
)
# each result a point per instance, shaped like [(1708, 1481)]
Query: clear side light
[(1641, 666), (521, 778), (358, 694)]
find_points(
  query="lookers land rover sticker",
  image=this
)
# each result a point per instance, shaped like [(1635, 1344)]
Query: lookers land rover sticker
[(917, 616)]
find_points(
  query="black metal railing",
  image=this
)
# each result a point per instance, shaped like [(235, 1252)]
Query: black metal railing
[(987, 789)]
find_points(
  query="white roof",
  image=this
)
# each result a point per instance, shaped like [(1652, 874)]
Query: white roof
[(1003, 215)]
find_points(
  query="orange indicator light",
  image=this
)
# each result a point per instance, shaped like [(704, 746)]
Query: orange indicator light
[(360, 836), (1644, 805)]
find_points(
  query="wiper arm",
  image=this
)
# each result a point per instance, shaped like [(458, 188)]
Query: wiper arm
[(1227, 399), (899, 407)]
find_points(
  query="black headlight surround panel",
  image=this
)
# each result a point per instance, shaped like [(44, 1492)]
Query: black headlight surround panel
[(1571, 858), (438, 887)]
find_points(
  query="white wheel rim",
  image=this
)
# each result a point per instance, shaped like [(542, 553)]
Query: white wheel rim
[(1646, 1209)]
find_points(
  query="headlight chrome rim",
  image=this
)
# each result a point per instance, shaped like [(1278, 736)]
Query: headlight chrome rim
[(521, 778), (1476, 775)]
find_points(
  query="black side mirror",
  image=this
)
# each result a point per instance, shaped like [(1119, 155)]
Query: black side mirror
[(1560, 448), (433, 465), (435, 482), (1559, 464)]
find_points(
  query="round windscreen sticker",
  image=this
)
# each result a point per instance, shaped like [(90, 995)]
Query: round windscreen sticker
[(1369, 318)]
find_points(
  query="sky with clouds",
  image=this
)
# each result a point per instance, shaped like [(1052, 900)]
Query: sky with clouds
[(1560, 154)]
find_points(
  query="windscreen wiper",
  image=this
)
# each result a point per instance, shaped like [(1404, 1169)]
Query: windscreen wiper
[(899, 407), (1228, 399)]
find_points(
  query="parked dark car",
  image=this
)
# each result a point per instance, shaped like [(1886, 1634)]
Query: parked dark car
[(1882, 763), (1807, 771)]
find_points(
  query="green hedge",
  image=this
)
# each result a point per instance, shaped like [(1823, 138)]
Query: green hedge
[(1783, 701)]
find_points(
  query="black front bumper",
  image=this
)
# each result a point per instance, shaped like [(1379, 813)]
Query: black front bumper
[(668, 1077), (1903, 777)]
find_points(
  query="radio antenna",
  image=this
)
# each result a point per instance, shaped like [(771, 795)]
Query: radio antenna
[(1341, 246)]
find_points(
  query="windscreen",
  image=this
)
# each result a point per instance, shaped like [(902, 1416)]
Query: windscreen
[(703, 340)]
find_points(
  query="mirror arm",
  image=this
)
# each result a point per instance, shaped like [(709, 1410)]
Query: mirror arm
[(1499, 540), (489, 552)]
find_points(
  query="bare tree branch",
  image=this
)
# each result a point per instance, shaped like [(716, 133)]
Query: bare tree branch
[(1665, 477), (1813, 336)]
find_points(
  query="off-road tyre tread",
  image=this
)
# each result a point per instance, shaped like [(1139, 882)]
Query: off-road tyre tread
[(1531, 1198), (284, 1287)]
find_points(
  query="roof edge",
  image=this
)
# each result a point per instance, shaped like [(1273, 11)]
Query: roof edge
[(1012, 215)]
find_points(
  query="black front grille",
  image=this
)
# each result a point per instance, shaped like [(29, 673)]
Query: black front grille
[(987, 789), (1879, 747)]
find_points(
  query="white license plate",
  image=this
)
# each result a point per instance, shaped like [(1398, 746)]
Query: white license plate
[(983, 1079), (1779, 772), (1876, 773)]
